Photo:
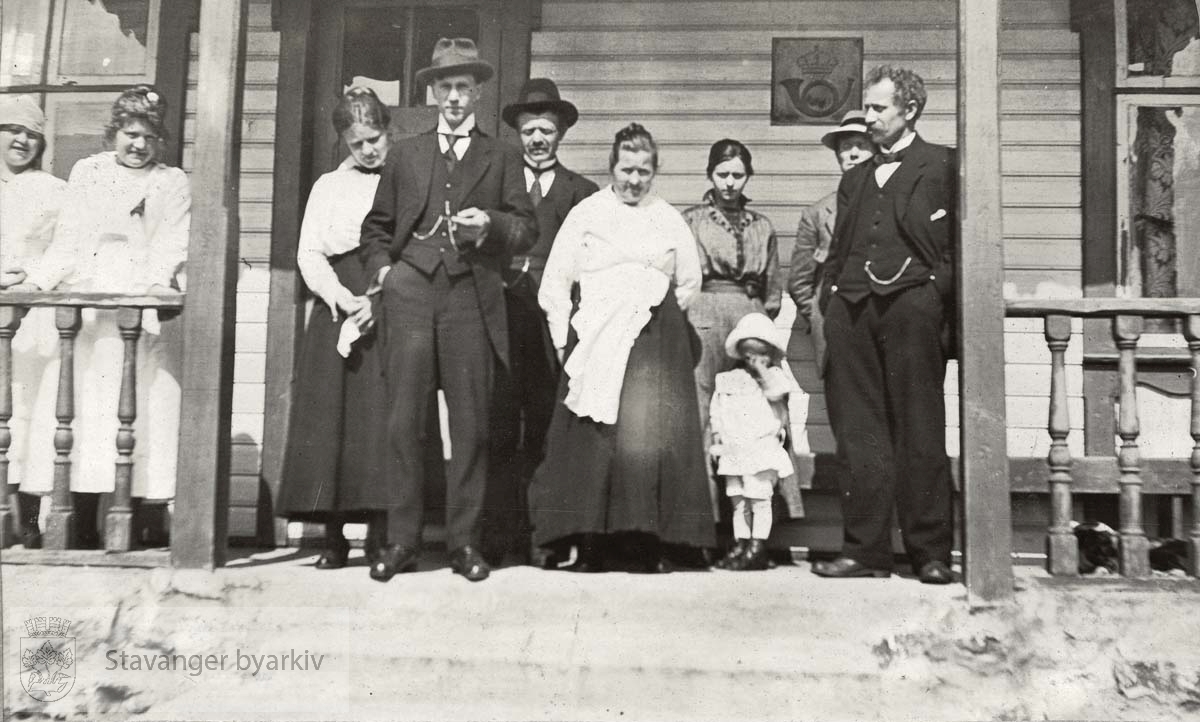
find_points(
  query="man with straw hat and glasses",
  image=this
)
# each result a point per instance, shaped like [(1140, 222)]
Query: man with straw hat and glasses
[(525, 393), (450, 211)]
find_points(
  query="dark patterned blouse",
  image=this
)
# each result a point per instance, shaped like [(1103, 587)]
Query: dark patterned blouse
[(741, 249)]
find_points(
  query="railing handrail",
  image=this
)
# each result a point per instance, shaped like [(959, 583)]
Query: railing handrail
[(92, 299), (1101, 306)]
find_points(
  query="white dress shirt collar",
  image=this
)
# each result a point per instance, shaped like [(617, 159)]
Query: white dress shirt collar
[(545, 178), (463, 131), (885, 171)]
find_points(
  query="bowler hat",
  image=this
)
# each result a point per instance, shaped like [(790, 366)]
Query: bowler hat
[(540, 95), (455, 56), (754, 325), (854, 121), (23, 111)]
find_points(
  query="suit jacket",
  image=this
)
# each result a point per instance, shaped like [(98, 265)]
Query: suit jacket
[(492, 180), (814, 234), (568, 189), (926, 207)]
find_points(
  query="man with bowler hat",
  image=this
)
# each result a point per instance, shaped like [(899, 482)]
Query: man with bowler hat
[(525, 394), (851, 145), (890, 290), (450, 211)]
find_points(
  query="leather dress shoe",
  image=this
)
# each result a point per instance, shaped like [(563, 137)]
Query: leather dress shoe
[(935, 572), (392, 560), (337, 551), (468, 562), (845, 568)]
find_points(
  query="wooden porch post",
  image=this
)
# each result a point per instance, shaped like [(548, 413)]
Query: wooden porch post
[(200, 522), (988, 524), (293, 158)]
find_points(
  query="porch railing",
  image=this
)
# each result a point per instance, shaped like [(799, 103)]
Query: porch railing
[(59, 531), (1126, 316)]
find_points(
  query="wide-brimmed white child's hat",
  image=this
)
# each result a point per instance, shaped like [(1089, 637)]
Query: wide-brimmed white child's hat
[(754, 325)]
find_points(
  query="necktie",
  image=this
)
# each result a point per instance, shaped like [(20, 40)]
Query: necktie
[(449, 155), (369, 171), (882, 158), (535, 191)]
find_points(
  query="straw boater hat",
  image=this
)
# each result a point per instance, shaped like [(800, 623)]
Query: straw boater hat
[(455, 56), (854, 121), (540, 95), (754, 325), (23, 111)]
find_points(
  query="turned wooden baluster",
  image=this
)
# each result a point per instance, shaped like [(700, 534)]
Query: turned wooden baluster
[(1063, 548), (60, 522), (1135, 548), (10, 321), (1191, 331), (118, 534)]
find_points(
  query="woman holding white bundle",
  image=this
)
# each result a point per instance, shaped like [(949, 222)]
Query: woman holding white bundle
[(624, 454)]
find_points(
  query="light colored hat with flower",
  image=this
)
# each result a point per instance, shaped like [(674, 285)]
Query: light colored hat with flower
[(22, 110), (754, 325)]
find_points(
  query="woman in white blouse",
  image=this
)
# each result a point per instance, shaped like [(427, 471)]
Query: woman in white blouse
[(337, 446), (124, 229), (624, 467), (29, 202)]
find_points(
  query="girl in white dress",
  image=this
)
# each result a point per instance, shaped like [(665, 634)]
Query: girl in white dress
[(750, 423), (29, 202), (126, 232)]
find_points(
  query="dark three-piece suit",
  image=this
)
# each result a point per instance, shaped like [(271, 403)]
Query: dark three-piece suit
[(444, 322), (887, 300), (525, 390)]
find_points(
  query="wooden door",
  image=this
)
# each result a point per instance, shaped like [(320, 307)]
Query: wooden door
[(381, 44)]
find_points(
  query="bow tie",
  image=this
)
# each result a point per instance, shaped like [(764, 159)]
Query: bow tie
[(882, 158), (369, 171)]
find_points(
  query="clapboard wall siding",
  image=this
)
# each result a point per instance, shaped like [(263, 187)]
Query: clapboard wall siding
[(256, 187), (697, 71)]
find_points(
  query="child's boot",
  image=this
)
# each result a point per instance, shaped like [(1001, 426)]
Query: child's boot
[(736, 552), (756, 557)]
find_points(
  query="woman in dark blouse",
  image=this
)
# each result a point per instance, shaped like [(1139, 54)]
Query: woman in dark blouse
[(739, 258)]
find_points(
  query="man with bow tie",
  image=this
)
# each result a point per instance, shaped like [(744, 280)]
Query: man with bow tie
[(890, 293), (450, 211), (525, 391)]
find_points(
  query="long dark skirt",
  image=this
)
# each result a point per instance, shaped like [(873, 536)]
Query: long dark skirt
[(646, 472), (337, 444)]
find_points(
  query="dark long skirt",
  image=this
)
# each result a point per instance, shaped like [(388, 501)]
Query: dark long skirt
[(337, 444), (646, 472)]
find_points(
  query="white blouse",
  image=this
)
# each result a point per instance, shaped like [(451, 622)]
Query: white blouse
[(29, 204), (122, 230), (624, 258), (332, 225)]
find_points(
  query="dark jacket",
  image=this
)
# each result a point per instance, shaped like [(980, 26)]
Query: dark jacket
[(568, 189), (492, 180), (926, 207)]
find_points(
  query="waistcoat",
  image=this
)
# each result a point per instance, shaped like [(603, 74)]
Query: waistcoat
[(426, 255), (876, 239)]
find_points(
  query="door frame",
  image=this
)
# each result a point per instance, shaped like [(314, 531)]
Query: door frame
[(306, 40)]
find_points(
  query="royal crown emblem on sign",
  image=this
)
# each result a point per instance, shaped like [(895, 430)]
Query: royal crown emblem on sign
[(817, 79), (47, 658)]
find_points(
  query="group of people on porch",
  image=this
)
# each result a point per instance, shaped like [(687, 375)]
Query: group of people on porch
[(613, 381)]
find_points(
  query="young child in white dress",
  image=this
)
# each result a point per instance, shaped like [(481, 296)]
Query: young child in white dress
[(750, 422)]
